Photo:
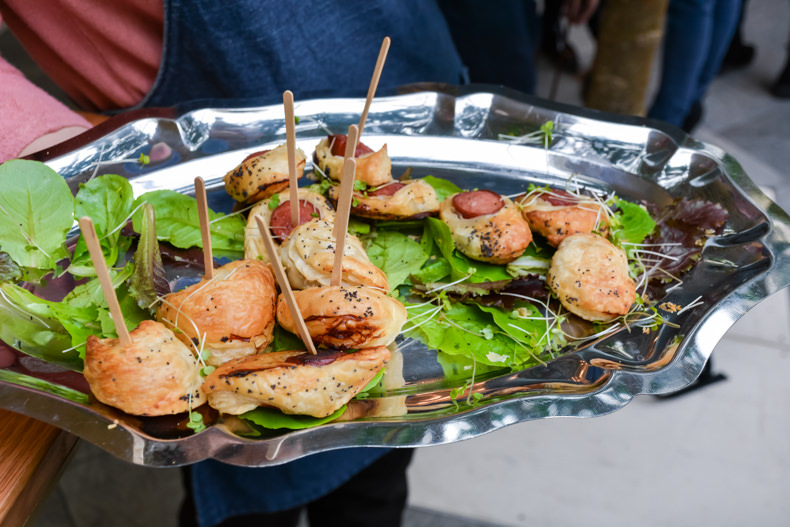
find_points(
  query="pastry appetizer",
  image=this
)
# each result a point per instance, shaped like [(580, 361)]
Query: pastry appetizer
[(156, 374), (486, 226), (296, 382), (262, 174), (373, 168), (345, 317), (308, 255), (394, 200), (232, 315), (311, 206), (556, 214), (590, 277)]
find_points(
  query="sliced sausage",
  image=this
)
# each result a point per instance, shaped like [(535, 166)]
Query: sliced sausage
[(255, 154), (387, 190), (560, 198), (477, 203), (338, 142), (280, 222)]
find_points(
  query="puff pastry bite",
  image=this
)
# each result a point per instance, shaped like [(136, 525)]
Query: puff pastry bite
[(233, 313), (556, 214), (373, 168), (308, 255), (590, 277), (262, 174), (312, 206), (345, 317), (156, 374), (296, 382), (486, 226), (394, 200)]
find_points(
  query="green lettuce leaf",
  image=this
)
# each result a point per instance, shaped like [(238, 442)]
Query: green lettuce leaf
[(33, 326), (36, 213), (396, 254), (108, 201), (274, 419), (177, 222), (442, 187), (460, 265), (631, 223)]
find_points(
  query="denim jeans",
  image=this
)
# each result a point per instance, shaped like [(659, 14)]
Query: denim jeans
[(696, 38)]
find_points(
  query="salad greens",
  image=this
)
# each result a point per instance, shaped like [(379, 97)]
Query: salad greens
[(35, 214), (37, 211)]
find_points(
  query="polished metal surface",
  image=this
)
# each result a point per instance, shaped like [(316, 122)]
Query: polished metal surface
[(448, 132)]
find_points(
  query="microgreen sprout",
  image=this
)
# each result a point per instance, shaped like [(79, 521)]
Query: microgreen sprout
[(274, 202)]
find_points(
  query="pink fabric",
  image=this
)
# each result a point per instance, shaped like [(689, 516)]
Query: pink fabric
[(105, 56), (27, 112)]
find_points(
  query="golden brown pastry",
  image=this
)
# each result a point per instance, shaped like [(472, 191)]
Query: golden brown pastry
[(308, 255), (345, 317), (394, 200), (312, 205), (556, 214), (486, 226), (590, 277), (156, 374), (296, 382), (373, 168), (262, 174), (233, 312)]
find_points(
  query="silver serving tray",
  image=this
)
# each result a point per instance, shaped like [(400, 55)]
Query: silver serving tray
[(448, 132)]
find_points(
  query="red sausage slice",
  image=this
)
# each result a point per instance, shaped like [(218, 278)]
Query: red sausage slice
[(280, 222), (560, 198), (255, 154), (477, 203), (338, 143), (387, 190)]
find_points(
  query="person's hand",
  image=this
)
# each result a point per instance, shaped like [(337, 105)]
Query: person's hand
[(579, 11), (50, 139)]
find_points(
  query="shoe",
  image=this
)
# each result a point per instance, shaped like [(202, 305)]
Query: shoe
[(558, 50), (693, 118), (781, 87), (739, 55)]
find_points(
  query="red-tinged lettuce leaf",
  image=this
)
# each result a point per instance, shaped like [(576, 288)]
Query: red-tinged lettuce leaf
[(680, 234), (9, 270), (149, 280)]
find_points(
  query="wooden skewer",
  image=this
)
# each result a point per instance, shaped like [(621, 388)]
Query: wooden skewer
[(341, 218), (285, 286), (290, 138), (205, 227), (97, 257), (374, 81), (353, 135)]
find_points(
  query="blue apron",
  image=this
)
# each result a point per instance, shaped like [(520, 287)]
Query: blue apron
[(246, 49), (242, 49)]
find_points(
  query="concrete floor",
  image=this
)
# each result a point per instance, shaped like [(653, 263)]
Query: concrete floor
[(717, 456)]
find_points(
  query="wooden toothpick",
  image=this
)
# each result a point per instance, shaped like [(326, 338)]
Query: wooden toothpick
[(290, 138), (97, 257), (353, 135), (341, 218), (374, 81), (205, 227), (285, 286)]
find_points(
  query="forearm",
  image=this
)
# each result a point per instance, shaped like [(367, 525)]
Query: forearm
[(31, 119)]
